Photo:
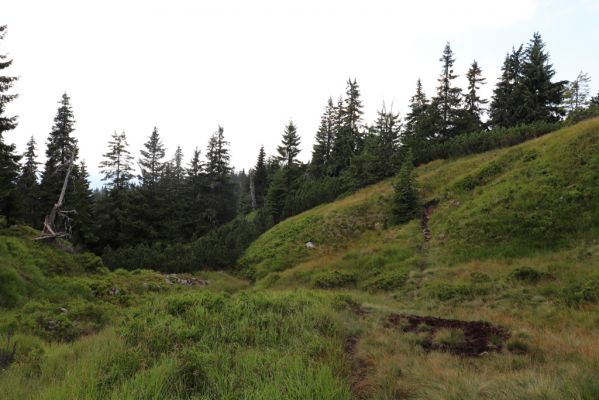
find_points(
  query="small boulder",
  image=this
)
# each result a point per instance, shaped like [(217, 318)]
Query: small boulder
[(310, 245)]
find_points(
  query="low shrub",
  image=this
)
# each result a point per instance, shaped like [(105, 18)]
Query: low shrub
[(528, 275), (334, 279)]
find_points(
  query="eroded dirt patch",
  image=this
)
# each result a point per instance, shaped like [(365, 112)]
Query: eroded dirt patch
[(359, 383), (473, 338), (429, 207)]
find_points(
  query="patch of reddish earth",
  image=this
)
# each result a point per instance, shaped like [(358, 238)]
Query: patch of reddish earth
[(358, 381), (480, 337)]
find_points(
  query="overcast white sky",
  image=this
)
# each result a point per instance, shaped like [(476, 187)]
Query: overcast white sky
[(251, 66)]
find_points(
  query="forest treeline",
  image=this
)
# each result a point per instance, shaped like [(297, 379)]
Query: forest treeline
[(178, 214)]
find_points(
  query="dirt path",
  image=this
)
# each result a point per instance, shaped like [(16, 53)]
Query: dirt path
[(429, 207)]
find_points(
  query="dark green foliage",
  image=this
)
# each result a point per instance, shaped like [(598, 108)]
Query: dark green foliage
[(324, 141), (526, 92), (6, 123), (508, 96), (116, 166), (83, 205), (528, 275), (60, 146), (29, 187), (481, 177), (543, 98), (579, 294), (387, 280), (218, 249), (260, 178), (418, 123), (334, 279), (348, 134), (478, 142), (474, 104), (447, 104), (9, 161), (150, 163), (406, 202)]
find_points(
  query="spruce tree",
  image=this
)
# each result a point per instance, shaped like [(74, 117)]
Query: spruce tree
[(9, 160), (6, 82), (594, 100), (406, 202), (29, 187), (60, 146), (323, 143), (348, 135), (387, 130), (276, 196), (543, 97), (289, 148), (81, 201), (418, 126), (448, 101), (260, 178), (194, 189), (178, 171), (507, 104), (116, 166), (150, 163), (474, 104), (221, 202), (114, 208)]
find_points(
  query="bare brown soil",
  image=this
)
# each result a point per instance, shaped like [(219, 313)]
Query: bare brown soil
[(480, 337)]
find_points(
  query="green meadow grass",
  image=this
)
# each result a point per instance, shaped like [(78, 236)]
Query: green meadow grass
[(514, 242)]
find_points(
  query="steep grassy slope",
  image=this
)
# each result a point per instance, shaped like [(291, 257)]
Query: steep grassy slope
[(511, 202)]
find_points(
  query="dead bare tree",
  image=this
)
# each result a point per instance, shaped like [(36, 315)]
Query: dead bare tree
[(52, 228)]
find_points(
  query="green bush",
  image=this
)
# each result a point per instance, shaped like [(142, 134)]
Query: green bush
[(388, 280), (334, 279), (528, 275), (582, 293)]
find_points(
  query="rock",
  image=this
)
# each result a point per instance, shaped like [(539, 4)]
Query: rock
[(310, 245), (113, 291), (378, 226), (63, 310)]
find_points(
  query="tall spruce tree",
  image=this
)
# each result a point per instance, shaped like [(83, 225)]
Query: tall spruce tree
[(474, 104), (60, 146), (387, 129), (507, 104), (284, 181), (348, 136), (116, 166), (150, 163), (447, 104), (543, 98), (221, 202), (29, 187), (418, 123), (113, 208), (260, 178), (324, 140), (9, 160)]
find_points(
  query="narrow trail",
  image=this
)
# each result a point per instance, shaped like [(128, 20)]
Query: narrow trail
[(429, 207)]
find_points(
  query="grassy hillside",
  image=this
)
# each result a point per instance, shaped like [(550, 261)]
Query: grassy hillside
[(500, 303)]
